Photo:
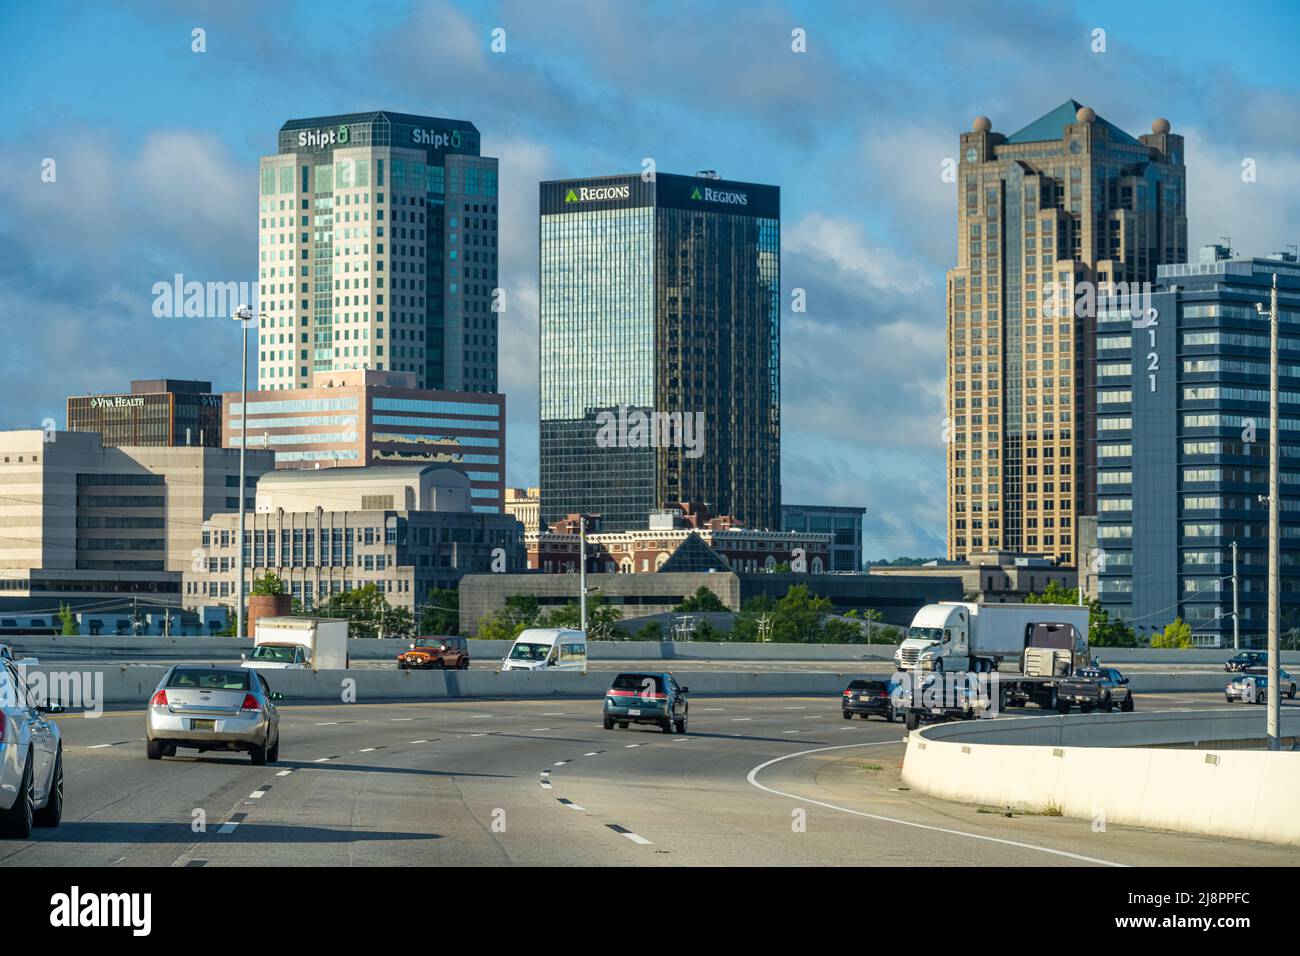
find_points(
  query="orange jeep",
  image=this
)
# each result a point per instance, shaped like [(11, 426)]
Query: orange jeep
[(436, 652)]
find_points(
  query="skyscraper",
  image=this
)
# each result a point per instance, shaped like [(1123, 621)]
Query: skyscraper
[(378, 250), (660, 348), (1070, 207)]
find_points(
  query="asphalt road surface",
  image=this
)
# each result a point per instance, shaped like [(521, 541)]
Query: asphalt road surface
[(771, 781)]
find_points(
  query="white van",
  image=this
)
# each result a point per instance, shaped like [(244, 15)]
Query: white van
[(547, 649)]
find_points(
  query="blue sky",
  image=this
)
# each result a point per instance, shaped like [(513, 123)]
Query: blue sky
[(156, 149)]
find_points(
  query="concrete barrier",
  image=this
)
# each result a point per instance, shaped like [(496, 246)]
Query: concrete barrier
[(1132, 769), (134, 683)]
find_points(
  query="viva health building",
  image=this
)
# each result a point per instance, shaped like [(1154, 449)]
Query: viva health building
[(660, 348), (378, 250)]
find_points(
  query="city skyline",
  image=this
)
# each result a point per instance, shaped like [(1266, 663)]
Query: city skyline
[(145, 193)]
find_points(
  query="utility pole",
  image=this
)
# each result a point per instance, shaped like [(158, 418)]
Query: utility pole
[(582, 572), (1274, 544), (1236, 616)]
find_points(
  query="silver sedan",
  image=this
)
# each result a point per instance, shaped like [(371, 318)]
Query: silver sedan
[(213, 707), (31, 758)]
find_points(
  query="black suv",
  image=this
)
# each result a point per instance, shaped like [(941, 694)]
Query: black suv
[(865, 697), (637, 698), (1244, 660)]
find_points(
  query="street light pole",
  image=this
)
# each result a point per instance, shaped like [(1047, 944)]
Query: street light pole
[(244, 315), (582, 572), (1236, 611), (1274, 533)]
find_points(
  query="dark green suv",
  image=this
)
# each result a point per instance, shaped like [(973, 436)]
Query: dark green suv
[(637, 698)]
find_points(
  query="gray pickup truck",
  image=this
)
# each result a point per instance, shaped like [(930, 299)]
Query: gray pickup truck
[(1103, 688)]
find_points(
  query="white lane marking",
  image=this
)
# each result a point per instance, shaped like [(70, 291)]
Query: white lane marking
[(257, 795), (571, 805), (560, 763), (545, 785), (228, 827), (419, 741), (401, 718), (593, 753), (365, 750), (481, 735), (796, 708), (98, 746), (713, 708), (322, 760), (791, 731), (327, 723), (538, 730), (630, 746), (638, 839), (813, 717), (752, 777), (561, 714), (682, 740), (284, 773), (742, 718)]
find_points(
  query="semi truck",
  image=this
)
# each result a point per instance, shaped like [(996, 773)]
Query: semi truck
[(299, 643), (953, 647)]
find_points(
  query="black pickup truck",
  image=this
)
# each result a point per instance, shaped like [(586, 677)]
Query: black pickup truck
[(1103, 688)]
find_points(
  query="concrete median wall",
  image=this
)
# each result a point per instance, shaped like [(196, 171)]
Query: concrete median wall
[(1121, 768), (132, 683)]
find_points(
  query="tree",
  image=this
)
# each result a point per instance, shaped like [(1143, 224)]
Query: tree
[(368, 613), (835, 630), (1054, 593), (704, 631), (1178, 633), (798, 616), (601, 617), (268, 584), (68, 620), (702, 600), (650, 631), (441, 615), (521, 611)]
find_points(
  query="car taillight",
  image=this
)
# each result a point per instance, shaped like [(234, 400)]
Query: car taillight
[(159, 699), (883, 694), (250, 703), (848, 693)]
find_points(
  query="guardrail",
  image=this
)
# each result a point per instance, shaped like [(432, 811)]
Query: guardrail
[(1134, 769)]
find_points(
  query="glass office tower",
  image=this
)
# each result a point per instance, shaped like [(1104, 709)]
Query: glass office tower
[(660, 304), (378, 250)]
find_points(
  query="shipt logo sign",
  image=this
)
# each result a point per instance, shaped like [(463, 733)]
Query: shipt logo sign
[(707, 194), (320, 138), (595, 193)]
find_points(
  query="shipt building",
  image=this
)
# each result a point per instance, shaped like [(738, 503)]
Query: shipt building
[(378, 250), (660, 348), (1182, 448)]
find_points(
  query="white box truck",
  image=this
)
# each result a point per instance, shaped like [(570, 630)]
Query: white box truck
[(966, 636), (299, 643)]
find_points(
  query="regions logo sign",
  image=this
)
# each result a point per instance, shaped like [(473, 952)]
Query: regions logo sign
[(708, 194), (595, 193), (320, 138)]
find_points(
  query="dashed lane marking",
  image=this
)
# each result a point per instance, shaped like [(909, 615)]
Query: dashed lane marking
[(570, 804), (634, 837)]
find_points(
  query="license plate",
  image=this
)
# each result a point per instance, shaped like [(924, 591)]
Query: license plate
[(865, 697), (634, 712), (203, 725)]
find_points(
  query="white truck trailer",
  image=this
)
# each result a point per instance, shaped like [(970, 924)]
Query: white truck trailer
[(966, 636), (299, 643), (953, 647)]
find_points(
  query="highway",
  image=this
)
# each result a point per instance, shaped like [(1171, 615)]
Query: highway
[(770, 781)]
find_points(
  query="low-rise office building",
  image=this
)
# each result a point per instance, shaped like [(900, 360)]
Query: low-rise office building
[(999, 577), (843, 523), (405, 529), (641, 595), (685, 537), (156, 412), (103, 528), (363, 417)]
